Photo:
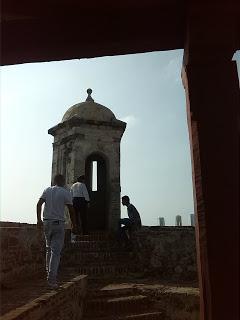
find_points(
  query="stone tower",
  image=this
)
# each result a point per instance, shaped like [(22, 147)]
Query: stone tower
[(88, 133)]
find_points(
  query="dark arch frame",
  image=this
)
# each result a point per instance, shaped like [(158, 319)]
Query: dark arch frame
[(167, 25)]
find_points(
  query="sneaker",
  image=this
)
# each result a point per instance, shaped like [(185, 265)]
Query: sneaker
[(52, 285), (73, 238)]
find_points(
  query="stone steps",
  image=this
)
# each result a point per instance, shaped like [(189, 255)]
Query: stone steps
[(97, 258), (119, 302), (100, 257), (93, 245), (106, 292), (140, 316), (119, 305), (76, 257), (95, 237), (144, 316), (104, 270)]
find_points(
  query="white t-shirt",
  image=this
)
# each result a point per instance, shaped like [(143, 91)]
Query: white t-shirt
[(55, 200), (79, 189)]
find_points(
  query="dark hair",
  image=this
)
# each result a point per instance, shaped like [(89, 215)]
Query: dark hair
[(81, 178), (59, 179), (126, 198)]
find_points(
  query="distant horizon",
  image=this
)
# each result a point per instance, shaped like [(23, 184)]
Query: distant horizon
[(144, 90), (28, 223)]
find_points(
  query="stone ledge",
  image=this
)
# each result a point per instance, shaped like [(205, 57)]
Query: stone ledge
[(167, 229), (166, 252), (63, 303)]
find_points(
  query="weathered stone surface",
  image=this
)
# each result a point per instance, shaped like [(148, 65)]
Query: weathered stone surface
[(22, 253), (89, 110), (167, 252), (177, 303), (63, 304), (87, 130)]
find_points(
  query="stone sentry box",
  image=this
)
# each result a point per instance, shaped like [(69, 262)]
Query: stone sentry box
[(90, 132)]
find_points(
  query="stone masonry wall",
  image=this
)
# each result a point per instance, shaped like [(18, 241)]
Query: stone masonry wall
[(22, 253), (64, 304), (167, 252)]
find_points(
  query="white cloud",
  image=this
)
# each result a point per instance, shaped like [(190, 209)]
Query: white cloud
[(172, 70), (131, 120), (236, 56)]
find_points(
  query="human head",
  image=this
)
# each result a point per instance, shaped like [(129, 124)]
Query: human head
[(81, 178), (125, 200), (59, 180)]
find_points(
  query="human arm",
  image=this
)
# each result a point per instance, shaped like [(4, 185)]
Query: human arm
[(39, 211), (71, 190), (72, 216), (85, 192)]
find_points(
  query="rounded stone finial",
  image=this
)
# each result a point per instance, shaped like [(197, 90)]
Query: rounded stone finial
[(89, 92)]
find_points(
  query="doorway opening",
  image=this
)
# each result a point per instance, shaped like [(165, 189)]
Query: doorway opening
[(97, 184)]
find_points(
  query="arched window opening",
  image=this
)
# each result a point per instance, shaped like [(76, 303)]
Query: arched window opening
[(94, 183)]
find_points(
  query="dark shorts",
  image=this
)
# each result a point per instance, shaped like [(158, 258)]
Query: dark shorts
[(80, 207), (79, 203)]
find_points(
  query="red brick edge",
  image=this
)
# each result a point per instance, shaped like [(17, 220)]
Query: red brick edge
[(64, 303)]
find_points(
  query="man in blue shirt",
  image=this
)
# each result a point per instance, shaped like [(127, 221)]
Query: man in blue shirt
[(132, 223)]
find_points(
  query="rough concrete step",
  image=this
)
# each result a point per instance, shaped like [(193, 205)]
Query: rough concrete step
[(93, 245), (105, 293), (107, 270), (95, 237), (141, 316), (116, 305), (78, 257), (144, 316)]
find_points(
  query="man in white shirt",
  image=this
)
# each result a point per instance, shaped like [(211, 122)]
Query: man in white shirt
[(55, 199), (80, 202)]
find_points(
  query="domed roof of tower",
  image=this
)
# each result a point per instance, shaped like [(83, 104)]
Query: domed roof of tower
[(89, 110)]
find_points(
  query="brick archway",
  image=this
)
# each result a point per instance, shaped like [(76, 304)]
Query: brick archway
[(210, 34)]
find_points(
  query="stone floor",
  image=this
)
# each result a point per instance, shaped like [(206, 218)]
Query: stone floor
[(108, 299), (140, 299), (115, 290)]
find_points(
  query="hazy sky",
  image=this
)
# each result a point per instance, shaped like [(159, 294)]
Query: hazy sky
[(145, 90)]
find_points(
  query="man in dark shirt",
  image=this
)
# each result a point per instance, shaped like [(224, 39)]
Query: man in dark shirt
[(80, 203), (132, 223)]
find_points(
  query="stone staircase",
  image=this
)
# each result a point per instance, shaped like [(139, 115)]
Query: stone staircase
[(119, 303), (100, 257)]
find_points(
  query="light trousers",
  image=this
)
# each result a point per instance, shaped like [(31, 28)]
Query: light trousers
[(54, 236)]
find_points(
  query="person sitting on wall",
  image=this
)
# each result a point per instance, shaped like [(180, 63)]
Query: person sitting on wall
[(80, 203), (55, 199), (130, 224)]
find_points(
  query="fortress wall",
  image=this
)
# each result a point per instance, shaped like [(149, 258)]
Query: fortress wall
[(164, 252), (167, 252), (22, 252)]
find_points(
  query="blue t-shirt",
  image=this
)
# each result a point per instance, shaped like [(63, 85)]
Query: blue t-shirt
[(134, 215)]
